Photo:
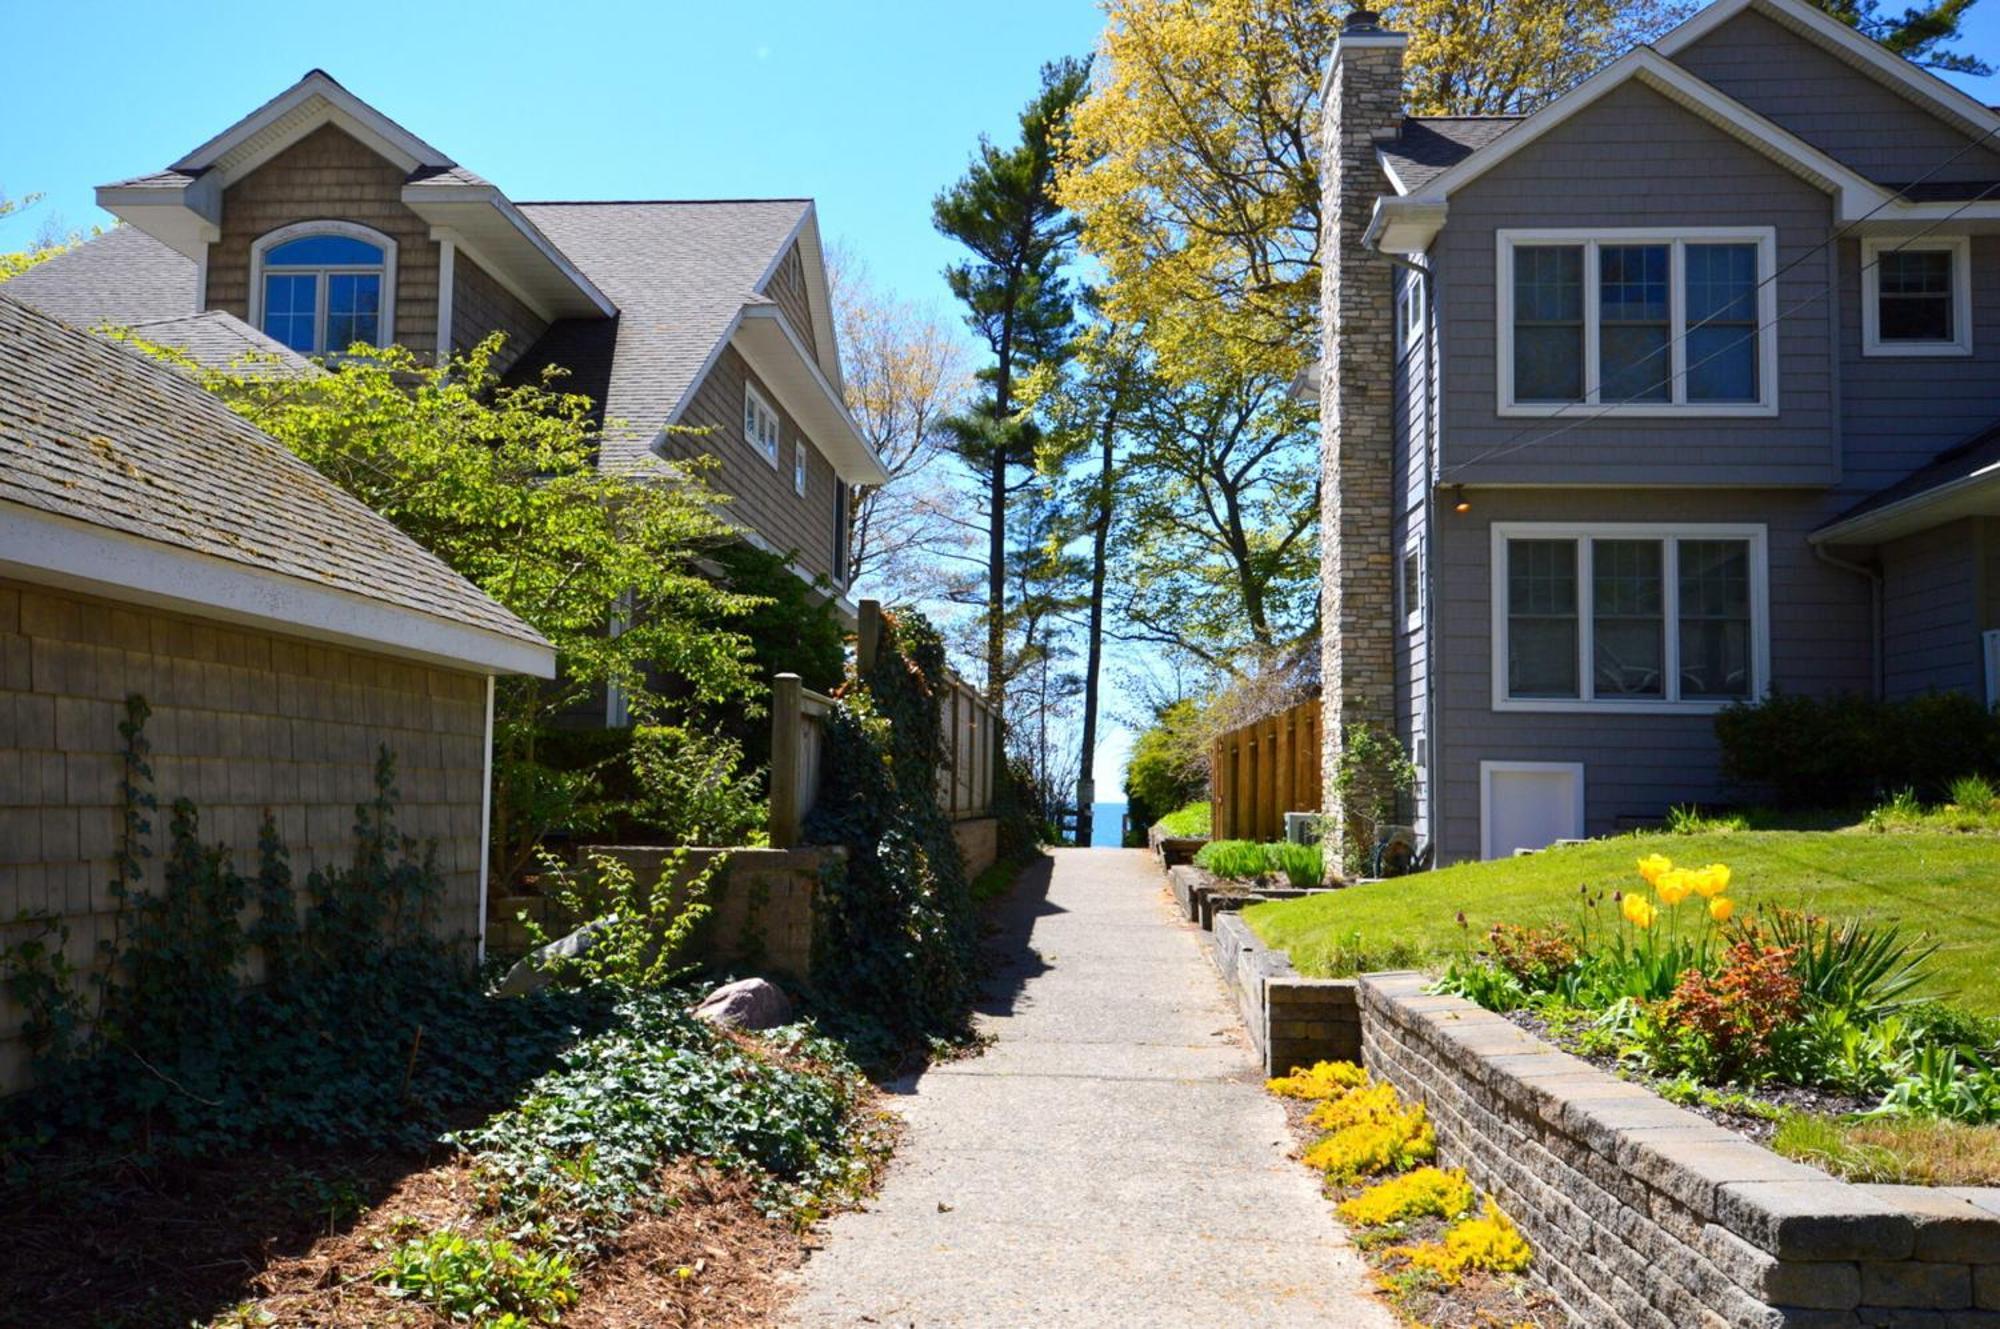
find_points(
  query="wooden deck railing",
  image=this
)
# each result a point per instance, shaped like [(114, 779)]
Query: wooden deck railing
[(1260, 771), (970, 734)]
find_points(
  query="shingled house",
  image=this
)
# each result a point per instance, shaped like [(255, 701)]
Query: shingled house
[(316, 222), (154, 543)]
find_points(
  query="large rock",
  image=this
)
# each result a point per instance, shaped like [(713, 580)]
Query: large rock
[(539, 967), (750, 1003)]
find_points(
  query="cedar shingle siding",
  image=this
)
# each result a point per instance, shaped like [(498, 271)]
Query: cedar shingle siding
[(480, 305), (243, 720), (328, 176), (763, 497), (788, 287)]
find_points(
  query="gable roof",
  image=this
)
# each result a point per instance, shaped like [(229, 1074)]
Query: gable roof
[(117, 472), (1857, 48), (1429, 145), (214, 339), (685, 274)]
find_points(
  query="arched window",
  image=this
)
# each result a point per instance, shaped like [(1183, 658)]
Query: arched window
[(320, 287)]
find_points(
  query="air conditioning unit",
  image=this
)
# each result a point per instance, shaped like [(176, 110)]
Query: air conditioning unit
[(1305, 827)]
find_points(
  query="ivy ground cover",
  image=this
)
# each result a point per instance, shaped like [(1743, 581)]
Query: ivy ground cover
[(1940, 884)]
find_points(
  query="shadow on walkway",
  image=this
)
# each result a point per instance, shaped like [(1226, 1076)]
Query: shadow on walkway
[(1008, 961)]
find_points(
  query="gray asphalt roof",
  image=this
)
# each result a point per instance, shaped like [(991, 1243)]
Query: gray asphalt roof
[(99, 433), (1430, 145), (1961, 461), (123, 276), (679, 272), (220, 340)]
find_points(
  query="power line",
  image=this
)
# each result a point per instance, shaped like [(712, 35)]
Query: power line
[(1518, 442)]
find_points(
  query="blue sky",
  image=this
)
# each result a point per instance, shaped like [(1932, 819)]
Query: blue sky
[(869, 108)]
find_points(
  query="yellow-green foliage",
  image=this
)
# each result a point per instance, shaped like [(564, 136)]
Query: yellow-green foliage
[(1427, 1192), (1490, 1242), (1326, 1079), (1368, 1103), (1370, 1148)]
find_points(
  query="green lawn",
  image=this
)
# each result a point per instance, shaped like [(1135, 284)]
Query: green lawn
[(1942, 884)]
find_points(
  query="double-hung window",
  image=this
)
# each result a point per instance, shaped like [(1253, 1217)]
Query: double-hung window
[(760, 424), (1637, 322), (1409, 309), (1625, 616), (320, 287), (1916, 296), (799, 467)]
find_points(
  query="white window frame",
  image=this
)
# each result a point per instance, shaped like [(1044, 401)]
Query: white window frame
[(1591, 238), (755, 401), (1413, 606), (385, 322), (1670, 533), (1410, 308), (799, 466), (1960, 249)]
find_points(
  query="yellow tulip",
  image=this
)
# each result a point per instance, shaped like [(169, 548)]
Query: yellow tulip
[(1638, 912), (1652, 866), (1720, 908), (1712, 880), (1674, 886)]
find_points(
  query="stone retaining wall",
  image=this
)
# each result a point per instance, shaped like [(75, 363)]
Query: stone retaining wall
[(1645, 1215), (978, 843), (1293, 1020)]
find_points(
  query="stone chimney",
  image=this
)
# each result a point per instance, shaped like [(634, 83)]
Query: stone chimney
[(1362, 104)]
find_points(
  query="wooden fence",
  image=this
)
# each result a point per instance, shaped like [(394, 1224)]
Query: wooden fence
[(970, 733), (1262, 770)]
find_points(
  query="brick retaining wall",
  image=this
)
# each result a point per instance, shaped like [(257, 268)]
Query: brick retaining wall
[(1293, 1020), (1643, 1214)]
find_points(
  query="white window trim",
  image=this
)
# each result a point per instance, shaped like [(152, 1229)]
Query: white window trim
[(1766, 240), (799, 466), (1488, 769), (1586, 703), (1410, 309), (759, 401), (1960, 249), (1413, 606), (385, 323)]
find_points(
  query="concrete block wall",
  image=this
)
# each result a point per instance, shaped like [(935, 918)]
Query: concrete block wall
[(243, 721), (1645, 1216), (1292, 1020), (978, 843)]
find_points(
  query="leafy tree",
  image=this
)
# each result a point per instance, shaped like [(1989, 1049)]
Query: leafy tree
[(502, 483), (906, 374), (1919, 34), (1004, 210), (50, 241), (1192, 163), (1215, 542)]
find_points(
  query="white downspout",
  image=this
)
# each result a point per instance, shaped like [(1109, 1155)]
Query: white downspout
[(486, 819)]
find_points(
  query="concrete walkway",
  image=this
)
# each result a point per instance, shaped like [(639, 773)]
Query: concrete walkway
[(1112, 1159)]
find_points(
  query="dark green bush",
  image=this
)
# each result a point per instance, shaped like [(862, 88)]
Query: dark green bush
[(1166, 769), (1842, 751)]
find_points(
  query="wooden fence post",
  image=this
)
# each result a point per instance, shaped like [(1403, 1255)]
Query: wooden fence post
[(868, 635), (787, 718)]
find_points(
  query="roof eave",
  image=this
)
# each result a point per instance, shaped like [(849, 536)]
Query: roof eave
[(1977, 494), (186, 218), (766, 338), (500, 235), (1404, 225), (79, 555)]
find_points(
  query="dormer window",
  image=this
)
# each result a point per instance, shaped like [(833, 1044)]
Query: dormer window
[(320, 287)]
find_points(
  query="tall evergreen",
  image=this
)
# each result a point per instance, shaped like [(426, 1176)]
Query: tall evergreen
[(1018, 302)]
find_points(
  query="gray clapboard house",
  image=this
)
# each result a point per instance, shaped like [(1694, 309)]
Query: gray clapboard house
[(1683, 389)]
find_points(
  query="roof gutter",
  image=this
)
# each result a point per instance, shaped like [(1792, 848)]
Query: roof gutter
[(1885, 522)]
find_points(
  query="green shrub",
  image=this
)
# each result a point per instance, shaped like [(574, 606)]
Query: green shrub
[(693, 789), (481, 1279), (1975, 794), (1301, 864), (1190, 822), (1236, 860), (1841, 751), (1169, 765)]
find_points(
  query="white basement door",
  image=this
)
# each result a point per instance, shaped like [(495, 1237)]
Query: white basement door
[(1528, 805)]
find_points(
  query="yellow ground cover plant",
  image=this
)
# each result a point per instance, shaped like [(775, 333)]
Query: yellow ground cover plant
[(1428, 1192), (1323, 1080), (1490, 1242), (1389, 1141)]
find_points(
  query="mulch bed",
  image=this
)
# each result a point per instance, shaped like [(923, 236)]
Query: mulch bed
[(1753, 1125), (1479, 1300)]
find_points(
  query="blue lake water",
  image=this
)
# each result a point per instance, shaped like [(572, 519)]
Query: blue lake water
[(1107, 821)]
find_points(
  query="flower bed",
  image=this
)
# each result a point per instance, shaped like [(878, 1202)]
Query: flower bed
[(1754, 1016)]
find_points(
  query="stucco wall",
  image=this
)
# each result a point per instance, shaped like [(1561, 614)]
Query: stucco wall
[(242, 721)]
